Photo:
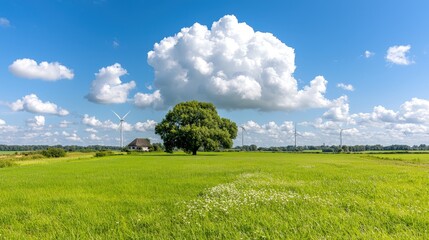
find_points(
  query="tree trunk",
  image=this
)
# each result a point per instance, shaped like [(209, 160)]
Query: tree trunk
[(194, 152)]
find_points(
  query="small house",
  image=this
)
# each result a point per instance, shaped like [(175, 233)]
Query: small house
[(139, 144)]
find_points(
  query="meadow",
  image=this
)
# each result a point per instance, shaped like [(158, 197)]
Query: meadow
[(217, 196)]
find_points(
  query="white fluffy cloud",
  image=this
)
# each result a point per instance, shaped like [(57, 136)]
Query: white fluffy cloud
[(273, 134), (339, 111), (408, 125), (368, 54), (415, 111), (4, 128), (270, 129), (37, 122), (29, 68), (144, 100), (149, 125), (94, 137), (91, 121), (91, 130), (108, 124), (398, 55), (65, 124), (382, 114), (108, 88), (32, 103), (232, 66), (347, 87), (95, 125), (72, 136), (4, 22)]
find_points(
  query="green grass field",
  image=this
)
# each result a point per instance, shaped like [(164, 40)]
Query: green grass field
[(218, 196)]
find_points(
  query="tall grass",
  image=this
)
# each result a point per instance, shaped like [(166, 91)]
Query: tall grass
[(212, 196)]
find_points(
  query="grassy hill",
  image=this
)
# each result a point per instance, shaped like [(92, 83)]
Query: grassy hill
[(217, 195)]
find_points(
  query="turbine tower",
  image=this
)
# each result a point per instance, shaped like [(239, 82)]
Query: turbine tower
[(121, 127), (242, 135), (341, 136), (295, 134)]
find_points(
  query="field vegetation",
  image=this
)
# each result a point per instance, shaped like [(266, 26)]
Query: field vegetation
[(217, 196)]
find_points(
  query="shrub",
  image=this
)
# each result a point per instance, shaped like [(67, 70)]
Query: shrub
[(6, 163), (327, 150), (54, 152), (100, 154), (104, 153)]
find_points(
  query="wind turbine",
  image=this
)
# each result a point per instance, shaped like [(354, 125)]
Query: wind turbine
[(341, 136), (242, 135), (121, 127), (296, 134)]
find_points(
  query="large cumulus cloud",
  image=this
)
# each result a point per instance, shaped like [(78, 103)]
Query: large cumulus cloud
[(230, 65), (108, 88)]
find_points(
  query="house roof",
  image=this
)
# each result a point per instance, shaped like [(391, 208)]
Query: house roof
[(139, 142)]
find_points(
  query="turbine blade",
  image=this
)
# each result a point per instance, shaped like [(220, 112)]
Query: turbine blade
[(126, 115), (116, 115)]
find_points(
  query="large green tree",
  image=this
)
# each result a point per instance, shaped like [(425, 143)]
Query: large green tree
[(191, 125)]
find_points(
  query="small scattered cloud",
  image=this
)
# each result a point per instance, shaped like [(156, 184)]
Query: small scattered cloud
[(415, 110), (94, 124), (65, 124), (4, 22), (273, 134), (398, 55), (94, 137), (91, 121), (74, 137), (30, 69), (37, 122), (4, 128), (108, 88), (149, 125), (91, 130), (115, 43), (231, 65), (32, 103), (144, 100), (380, 126), (339, 111), (368, 54), (347, 87)]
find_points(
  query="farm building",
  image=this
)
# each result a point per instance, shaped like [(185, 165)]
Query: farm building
[(139, 144)]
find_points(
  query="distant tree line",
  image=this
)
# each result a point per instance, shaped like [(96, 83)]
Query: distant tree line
[(334, 148)]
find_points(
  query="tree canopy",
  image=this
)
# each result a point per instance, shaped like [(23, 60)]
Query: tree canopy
[(192, 125)]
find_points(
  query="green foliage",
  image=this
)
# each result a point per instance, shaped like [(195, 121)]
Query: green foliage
[(157, 147), (104, 153), (6, 163), (54, 152), (192, 125)]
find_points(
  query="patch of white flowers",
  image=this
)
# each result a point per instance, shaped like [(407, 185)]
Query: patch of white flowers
[(249, 190)]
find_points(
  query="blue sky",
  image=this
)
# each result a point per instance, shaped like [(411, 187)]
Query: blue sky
[(362, 66)]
